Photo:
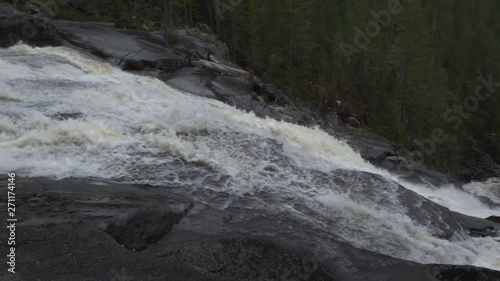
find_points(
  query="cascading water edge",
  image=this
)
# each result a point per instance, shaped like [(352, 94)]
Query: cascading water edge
[(63, 115)]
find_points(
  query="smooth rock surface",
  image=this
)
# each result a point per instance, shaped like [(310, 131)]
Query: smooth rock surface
[(31, 30), (64, 234), (130, 49)]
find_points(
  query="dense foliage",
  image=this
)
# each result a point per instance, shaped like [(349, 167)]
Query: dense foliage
[(410, 69)]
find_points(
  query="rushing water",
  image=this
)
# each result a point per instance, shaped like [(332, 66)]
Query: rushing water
[(64, 115), (489, 189)]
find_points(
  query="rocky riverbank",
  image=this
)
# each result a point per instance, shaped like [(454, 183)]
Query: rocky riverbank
[(199, 64), (79, 229)]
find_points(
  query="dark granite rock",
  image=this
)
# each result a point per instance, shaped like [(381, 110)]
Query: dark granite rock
[(143, 228), (8, 11), (81, 5), (31, 30), (422, 175), (270, 93), (206, 44), (477, 227), (442, 222), (204, 28), (67, 115), (73, 230), (132, 50), (494, 219), (481, 163)]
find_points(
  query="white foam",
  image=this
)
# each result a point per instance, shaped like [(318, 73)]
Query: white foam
[(396, 235), (489, 189), (454, 199), (136, 128)]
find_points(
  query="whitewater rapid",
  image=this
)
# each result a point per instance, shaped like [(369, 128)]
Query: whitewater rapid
[(65, 115)]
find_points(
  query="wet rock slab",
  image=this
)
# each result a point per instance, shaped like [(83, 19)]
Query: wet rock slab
[(132, 50), (79, 229), (32, 30)]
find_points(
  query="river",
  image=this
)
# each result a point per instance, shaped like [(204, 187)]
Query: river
[(64, 115)]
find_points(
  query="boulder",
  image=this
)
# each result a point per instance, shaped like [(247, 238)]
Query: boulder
[(370, 146), (353, 122), (270, 93), (478, 227), (419, 174), (189, 80), (8, 11), (229, 84), (204, 28), (206, 44), (440, 220), (494, 219), (81, 5), (344, 110), (225, 70), (46, 9), (398, 165), (31, 30), (130, 49), (480, 164)]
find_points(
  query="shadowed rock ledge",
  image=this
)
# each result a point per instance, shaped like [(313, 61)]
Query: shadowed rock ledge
[(74, 229)]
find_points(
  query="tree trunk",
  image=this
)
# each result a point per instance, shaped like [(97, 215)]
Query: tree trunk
[(334, 65), (116, 12), (233, 34), (322, 17), (290, 54), (210, 14), (165, 23), (405, 79), (191, 13), (170, 13), (217, 18), (186, 13)]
